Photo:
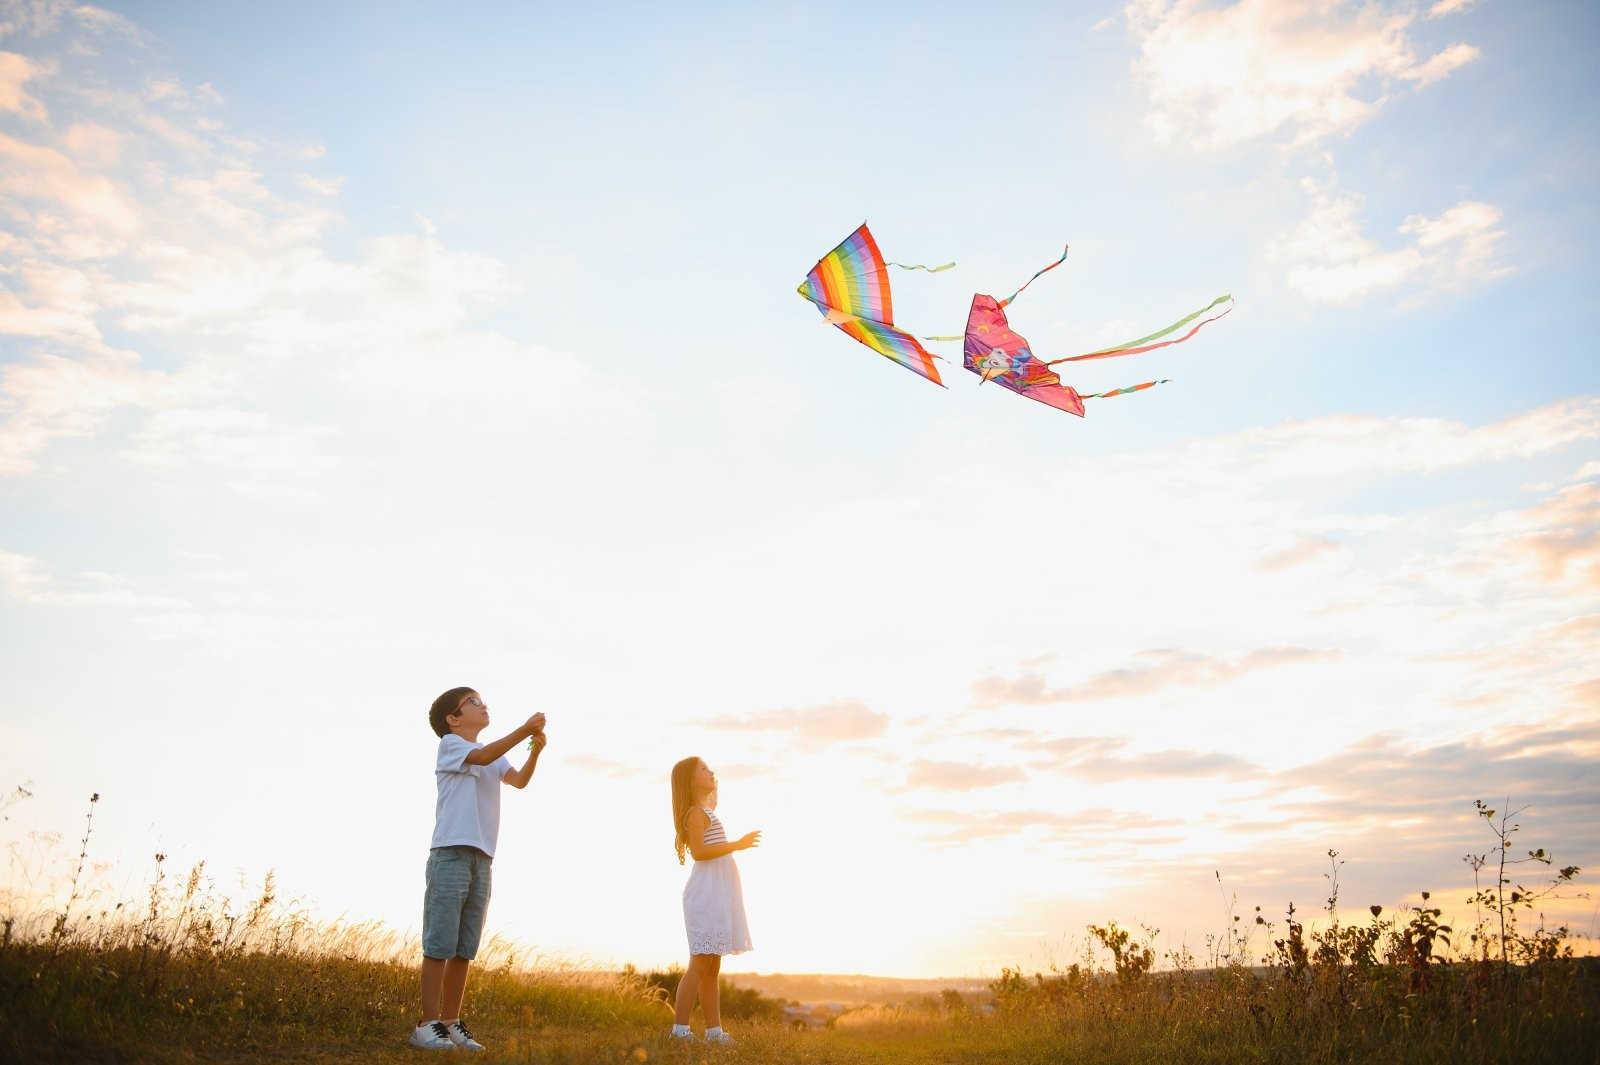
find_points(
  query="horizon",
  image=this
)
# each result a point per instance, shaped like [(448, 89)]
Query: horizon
[(349, 356), (1226, 944)]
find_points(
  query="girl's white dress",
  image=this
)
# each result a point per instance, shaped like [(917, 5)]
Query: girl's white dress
[(713, 901)]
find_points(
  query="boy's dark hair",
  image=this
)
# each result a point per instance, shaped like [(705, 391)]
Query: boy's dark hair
[(443, 707)]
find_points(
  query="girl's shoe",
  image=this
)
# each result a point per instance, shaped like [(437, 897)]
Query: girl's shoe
[(457, 1031), (684, 1036), (723, 1038), (431, 1035)]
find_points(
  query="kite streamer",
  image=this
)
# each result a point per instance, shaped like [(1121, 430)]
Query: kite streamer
[(1124, 391), (1064, 249), (918, 266), (1132, 347)]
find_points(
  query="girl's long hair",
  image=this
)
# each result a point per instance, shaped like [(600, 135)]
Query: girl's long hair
[(682, 799)]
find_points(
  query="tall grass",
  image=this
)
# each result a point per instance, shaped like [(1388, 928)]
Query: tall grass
[(186, 966), (187, 973), (1403, 987)]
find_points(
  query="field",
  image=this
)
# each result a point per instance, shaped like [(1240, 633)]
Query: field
[(184, 975)]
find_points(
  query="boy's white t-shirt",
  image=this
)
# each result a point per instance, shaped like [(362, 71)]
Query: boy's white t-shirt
[(468, 810)]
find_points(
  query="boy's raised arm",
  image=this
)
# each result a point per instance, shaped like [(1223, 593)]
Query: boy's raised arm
[(490, 751), (518, 778)]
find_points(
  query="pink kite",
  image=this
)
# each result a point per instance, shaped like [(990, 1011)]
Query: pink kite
[(994, 351), (1000, 355)]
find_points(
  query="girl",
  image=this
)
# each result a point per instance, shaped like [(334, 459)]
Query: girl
[(713, 901)]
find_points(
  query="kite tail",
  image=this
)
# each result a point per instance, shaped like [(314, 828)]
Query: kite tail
[(1139, 346), (1124, 391), (1006, 302), (1136, 347), (1064, 249), (919, 266)]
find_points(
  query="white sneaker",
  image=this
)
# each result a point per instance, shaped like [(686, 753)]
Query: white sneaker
[(457, 1031), (676, 1036), (724, 1038), (431, 1035)]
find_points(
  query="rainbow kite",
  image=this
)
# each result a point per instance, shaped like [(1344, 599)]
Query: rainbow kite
[(850, 286)]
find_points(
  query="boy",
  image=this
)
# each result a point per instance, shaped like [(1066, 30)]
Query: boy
[(466, 825)]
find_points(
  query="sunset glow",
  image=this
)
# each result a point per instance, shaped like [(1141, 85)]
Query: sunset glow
[(348, 357)]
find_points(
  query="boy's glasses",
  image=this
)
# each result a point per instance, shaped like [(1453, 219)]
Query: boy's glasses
[(471, 700)]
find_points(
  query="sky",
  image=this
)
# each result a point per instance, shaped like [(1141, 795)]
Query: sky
[(349, 353)]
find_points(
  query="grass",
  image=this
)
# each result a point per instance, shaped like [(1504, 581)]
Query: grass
[(184, 975)]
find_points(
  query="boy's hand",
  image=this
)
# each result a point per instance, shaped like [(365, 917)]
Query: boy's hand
[(534, 724), (748, 840), (537, 741)]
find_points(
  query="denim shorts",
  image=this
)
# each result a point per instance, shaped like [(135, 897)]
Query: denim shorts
[(454, 904)]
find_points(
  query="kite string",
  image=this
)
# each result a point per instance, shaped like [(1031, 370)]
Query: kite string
[(1035, 277), (918, 266)]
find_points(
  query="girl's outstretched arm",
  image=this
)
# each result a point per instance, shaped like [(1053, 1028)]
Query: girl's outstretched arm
[(702, 852)]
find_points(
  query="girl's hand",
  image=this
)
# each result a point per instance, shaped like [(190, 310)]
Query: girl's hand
[(748, 840)]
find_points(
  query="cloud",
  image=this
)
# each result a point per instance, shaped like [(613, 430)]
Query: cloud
[(1062, 826), (1555, 542), (812, 726), (1067, 750), (42, 175), (1545, 666), (170, 90), (603, 766), (57, 302), (1304, 550), (39, 18), (1100, 759), (1561, 535), (1329, 259), (15, 71), (1441, 8), (1153, 671), (1442, 65), (22, 577), (25, 579), (91, 144), (319, 186), (1161, 765), (960, 776), (52, 397), (1345, 445), (1296, 71), (140, 221), (1381, 777)]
